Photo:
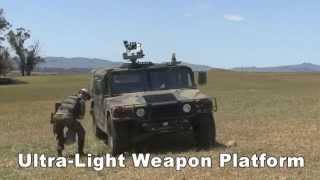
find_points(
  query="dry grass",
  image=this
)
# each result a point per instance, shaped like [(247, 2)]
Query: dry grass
[(263, 112)]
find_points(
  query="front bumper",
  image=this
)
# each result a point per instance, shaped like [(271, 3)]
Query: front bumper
[(166, 126), (139, 127), (164, 117)]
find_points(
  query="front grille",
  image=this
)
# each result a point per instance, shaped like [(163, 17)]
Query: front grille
[(159, 98), (164, 112)]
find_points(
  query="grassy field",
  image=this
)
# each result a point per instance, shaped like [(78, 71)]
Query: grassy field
[(269, 113)]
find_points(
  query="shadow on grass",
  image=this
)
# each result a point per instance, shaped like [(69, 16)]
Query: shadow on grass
[(161, 144), (10, 81), (175, 143)]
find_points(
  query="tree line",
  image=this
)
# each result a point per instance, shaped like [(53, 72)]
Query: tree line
[(25, 57)]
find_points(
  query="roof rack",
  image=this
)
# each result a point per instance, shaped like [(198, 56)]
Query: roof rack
[(136, 65)]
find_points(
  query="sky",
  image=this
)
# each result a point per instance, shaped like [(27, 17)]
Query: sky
[(219, 33)]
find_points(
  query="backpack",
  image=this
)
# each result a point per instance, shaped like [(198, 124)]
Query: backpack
[(68, 108)]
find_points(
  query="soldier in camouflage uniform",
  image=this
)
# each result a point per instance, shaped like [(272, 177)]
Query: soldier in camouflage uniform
[(68, 114)]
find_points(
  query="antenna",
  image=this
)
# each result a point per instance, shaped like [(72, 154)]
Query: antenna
[(174, 60), (133, 51)]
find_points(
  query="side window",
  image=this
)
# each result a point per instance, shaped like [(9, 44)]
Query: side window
[(189, 80), (98, 87), (106, 86)]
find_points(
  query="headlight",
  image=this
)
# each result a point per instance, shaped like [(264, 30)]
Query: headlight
[(186, 108), (140, 112)]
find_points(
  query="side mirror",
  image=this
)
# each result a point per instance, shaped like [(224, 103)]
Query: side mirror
[(202, 78)]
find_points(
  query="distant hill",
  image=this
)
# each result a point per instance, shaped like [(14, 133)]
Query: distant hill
[(304, 67), (81, 64), (77, 63), (197, 67)]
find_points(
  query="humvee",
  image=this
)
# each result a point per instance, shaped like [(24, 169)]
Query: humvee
[(139, 99)]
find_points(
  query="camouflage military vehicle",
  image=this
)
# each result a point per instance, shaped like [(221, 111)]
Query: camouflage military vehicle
[(142, 98)]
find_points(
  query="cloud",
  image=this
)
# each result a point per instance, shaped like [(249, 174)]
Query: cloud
[(233, 17), (187, 15)]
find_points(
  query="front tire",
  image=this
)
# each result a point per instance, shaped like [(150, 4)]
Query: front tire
[(205, 131), (118, 138)]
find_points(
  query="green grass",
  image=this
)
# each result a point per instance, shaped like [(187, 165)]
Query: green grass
[(275, 113)]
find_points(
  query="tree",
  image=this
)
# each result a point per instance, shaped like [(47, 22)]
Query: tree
[(17, 39), (4, 25), (28, 57), (5, 61), (33, 58)]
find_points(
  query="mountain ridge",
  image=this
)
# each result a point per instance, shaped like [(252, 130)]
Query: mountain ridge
[(52, 62), (83, 64), (303, 67)]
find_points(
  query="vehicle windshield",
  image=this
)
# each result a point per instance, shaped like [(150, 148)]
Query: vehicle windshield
[(151, 80), (129, 82)]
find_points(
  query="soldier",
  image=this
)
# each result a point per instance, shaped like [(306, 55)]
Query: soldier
[(68, 115)]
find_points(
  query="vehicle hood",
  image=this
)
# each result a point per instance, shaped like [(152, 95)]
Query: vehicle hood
[(152, 97)]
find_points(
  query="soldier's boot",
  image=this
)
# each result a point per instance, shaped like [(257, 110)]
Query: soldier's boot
[(60, 148), (60, 139), (59, 152), (81, 138)]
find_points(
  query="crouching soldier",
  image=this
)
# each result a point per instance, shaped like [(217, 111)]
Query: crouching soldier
[(67, 115)]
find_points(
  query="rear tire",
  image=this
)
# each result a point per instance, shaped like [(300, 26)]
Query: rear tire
[(99, 133), (96, 130), (205, 131)]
